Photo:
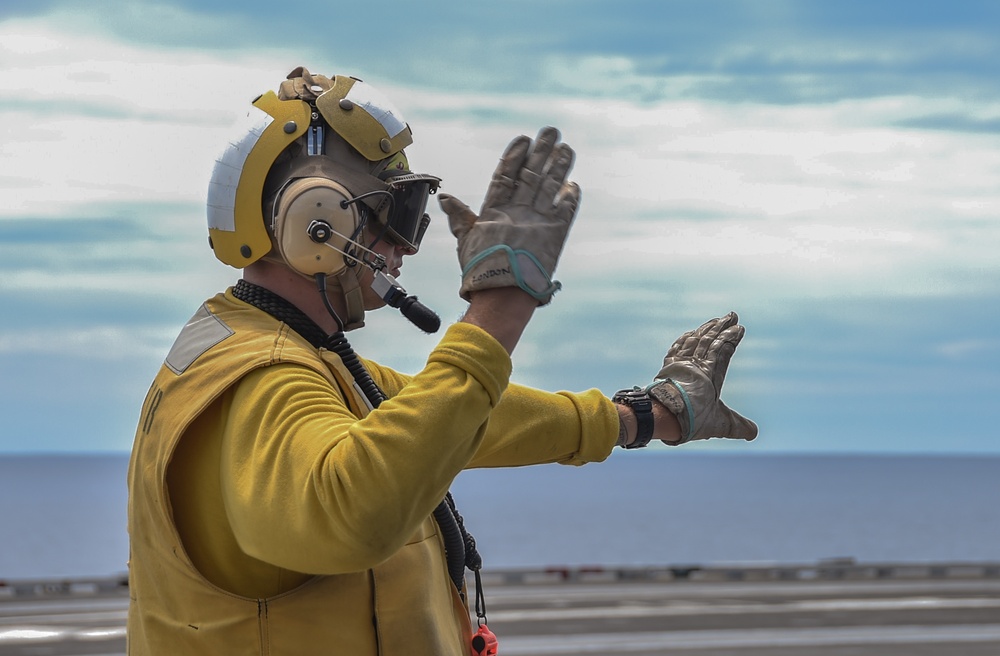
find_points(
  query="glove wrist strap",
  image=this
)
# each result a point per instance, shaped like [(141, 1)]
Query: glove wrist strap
[(512, 255), (642, 406)]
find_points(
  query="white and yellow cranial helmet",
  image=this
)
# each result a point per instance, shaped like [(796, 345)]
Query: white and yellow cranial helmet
[(306, 108)]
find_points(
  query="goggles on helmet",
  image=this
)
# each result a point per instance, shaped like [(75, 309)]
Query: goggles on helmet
[(406, 220)]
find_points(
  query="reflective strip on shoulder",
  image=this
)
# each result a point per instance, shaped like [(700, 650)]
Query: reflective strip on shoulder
[(203, 331)]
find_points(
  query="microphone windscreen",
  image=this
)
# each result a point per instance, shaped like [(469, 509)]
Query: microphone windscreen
[(420, 315)]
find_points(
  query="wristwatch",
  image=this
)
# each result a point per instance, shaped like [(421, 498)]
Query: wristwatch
[(637, 399)]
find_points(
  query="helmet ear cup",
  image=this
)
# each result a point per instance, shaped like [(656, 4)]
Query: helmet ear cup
[(312, 229)]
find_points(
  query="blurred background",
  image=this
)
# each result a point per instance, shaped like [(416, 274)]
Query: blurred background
[(828, 170)]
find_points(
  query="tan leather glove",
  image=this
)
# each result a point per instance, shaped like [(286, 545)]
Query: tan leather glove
[(690, 382), (519, 234)]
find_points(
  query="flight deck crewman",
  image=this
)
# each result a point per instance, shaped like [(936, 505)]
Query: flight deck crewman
[(287, 496)]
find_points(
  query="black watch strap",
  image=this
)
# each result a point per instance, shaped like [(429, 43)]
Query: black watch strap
[(638, 399)]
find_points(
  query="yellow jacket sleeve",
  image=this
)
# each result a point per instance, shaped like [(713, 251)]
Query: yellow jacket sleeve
[(530, 426), (348, 492)]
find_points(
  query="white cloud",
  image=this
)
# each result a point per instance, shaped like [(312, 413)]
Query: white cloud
[(691, 206), (832, 195), (90, 119)]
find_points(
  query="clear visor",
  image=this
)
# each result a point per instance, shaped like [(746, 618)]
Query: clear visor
[(407, 219)]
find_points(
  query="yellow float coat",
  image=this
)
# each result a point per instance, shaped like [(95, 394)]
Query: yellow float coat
[(271, 513)]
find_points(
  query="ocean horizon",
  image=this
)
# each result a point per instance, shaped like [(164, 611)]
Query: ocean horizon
[(65, 514)]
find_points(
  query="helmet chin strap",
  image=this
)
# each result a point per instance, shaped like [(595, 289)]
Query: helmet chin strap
[(350, 288)]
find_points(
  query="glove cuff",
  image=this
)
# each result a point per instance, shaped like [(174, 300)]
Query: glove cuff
[(642, 406), (503, 266)]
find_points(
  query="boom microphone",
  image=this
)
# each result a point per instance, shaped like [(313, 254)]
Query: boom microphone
[(420, 315), (416, 312)]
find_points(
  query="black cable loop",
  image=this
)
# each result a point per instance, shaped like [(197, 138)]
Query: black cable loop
[(337, 342), (280, 309), (454, 544), (473, 560)]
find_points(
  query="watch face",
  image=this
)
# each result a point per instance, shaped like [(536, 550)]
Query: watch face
[(637, 398), (629, 396)]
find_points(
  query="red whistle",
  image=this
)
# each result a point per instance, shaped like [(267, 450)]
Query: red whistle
[(484, 643)]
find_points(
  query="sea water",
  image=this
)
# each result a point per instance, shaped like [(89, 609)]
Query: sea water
[(65, 515)]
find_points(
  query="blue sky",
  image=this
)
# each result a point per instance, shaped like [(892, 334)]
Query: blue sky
[(831, 171)]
